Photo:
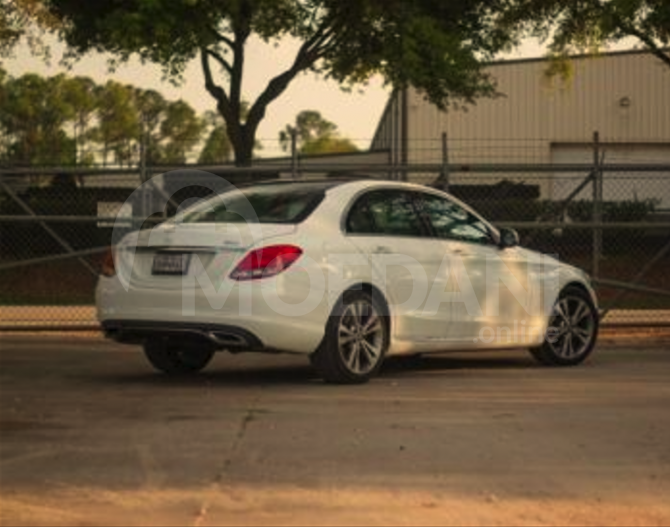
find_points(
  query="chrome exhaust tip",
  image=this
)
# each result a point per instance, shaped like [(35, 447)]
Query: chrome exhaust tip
[(228, 339)]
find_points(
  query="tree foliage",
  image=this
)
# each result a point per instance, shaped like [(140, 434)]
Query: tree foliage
[(32, 117), (329, 145), (71, 120), (80, 95), (587, 25), (315, 135), (118, 122), (151, 107), (183, 128), (217, 149), (24, 19), (438, 47)]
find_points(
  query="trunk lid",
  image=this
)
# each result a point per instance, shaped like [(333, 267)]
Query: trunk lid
[(209, 248)]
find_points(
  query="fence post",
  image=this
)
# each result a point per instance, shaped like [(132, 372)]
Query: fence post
[(597, 206), (397, 134), (146, 196), (143, 150), (294, 153), (404, 154), (445, 162)]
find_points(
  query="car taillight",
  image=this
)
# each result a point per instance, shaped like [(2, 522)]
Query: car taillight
[(108, 268), (266, 262)]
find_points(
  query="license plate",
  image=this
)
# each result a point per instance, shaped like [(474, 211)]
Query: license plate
[(174, 264)]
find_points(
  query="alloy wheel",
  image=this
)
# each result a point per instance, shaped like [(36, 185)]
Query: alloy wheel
[(361, 337), (572, 327)]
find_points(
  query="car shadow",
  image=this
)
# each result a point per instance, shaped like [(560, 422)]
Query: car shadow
[(454, 362), (248, 374)]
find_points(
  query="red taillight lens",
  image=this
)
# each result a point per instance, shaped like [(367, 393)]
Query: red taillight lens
[(266, 262), (108, 268)]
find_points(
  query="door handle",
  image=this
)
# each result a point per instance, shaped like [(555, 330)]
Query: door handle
[(380, 249)]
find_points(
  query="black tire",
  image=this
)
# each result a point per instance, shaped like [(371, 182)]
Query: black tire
[(177, 358), (554, 353), (330, 361)]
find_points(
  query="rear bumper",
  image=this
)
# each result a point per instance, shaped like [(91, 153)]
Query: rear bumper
[(133, 316), (221, 336)]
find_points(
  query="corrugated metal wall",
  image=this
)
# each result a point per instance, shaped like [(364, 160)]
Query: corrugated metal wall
[(535, 111), (625, 96)]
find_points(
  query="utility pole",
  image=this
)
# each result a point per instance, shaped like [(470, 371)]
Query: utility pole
[(294, 153)]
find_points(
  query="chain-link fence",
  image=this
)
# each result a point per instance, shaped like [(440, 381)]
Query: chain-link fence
[(611, 219)]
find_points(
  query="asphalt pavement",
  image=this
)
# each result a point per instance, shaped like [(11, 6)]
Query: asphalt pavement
[(90, 435)]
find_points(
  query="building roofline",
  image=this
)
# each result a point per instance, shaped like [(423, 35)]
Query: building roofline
[(313, 157), (581, 56), (261, 162), (531, 60), (387, 109)]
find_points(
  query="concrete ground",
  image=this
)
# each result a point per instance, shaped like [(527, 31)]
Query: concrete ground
[(89, 435)]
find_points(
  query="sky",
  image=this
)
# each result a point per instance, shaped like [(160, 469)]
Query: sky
[(356, 114)]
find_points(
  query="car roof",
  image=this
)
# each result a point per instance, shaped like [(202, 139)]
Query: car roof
[(340, 181), (326, 183)]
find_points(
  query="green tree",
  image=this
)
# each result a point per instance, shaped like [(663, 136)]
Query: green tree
[(56, 121), (182, 129), (118, 123), (315, 135), (217, 149), (309, 125), (4, 135), (56, 147), (436, 46), (589, 24), (151, 107), (81, 95), (33, 113), (329, 145), (25, 19)]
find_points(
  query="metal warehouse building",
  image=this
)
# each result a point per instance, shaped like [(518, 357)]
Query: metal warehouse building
[(624, 96)]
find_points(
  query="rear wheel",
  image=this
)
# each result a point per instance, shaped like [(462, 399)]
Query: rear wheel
[(177, 358), (572, 331), (356, 341)]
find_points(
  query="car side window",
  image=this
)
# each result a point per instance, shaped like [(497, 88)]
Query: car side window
[(385, 212), (359, 220), (450, 221)]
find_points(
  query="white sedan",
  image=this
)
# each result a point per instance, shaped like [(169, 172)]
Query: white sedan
[(346, 272)]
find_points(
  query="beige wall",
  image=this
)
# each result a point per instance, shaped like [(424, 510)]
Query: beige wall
[(535, 112)]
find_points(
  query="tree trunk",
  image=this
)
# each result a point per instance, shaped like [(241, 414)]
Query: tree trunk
[(244, 154), (242, 139)]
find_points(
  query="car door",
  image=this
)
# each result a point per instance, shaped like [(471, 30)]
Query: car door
[(385, 225), (469, 251)]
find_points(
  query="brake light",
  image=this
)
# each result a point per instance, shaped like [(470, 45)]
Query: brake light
[(108, 267), (266, 262)]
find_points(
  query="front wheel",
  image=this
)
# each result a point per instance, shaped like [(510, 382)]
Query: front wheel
[(572, 330), (177, 358), (356, 340)]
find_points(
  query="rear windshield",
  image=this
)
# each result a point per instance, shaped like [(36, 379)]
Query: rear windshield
[(283, 203)]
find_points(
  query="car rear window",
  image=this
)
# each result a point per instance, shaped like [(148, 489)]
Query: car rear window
[(282, 203)]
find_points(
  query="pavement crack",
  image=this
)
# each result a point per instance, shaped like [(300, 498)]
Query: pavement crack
[(248, 418)]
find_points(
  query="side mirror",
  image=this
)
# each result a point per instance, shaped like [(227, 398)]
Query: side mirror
[(509, 238)]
